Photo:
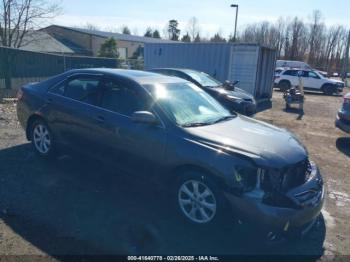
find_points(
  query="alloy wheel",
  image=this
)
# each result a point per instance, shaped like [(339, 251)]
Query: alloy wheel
[(41, 138), (197, 201)]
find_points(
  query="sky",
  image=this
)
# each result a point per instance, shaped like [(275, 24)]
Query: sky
[(213, 15)]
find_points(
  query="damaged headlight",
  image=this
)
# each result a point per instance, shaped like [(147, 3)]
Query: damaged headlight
[(246, 177), (311, 171)]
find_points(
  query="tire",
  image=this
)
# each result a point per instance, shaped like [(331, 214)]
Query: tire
[(284, 85), (198, 200), (328, 90), (42, 139)]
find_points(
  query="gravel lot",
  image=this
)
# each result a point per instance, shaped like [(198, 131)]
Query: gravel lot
[(75, 205)]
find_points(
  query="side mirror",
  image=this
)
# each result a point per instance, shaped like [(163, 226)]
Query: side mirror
[(144, 117)]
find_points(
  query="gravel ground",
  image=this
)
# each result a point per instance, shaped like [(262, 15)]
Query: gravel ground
[(75, 205)]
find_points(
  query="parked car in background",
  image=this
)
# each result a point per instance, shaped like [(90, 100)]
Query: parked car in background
[(168, 129), (231, 97), (292, 64), (300, 65), (343, 117), (323, 73), (313, 81)]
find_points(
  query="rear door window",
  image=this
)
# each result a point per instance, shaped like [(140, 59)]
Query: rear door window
[(81, 88), (290, 73)]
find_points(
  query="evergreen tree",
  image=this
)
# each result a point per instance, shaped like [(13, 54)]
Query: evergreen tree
[(156, 34), (109, 49), (148, 32), (173, 30), (218, 38), (186, 38), (126, 30), (197, 38)]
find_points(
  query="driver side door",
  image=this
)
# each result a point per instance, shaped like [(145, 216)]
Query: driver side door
[(137, 148), (311, 80)]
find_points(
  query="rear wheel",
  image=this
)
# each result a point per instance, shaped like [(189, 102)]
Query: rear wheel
[(284, 85), (42, 139)]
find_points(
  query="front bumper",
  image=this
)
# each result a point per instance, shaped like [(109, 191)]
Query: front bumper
[(250, 208), (247, 108)]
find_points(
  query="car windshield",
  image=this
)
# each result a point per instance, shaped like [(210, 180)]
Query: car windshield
[(188, 105), (203, 79)]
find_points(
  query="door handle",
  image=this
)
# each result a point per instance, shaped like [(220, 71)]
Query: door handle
[(100, 119)]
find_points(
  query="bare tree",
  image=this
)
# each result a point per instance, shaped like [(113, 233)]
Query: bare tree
[(322, 47), (17, 19), (91, 27), (193, 27), (316, 31)]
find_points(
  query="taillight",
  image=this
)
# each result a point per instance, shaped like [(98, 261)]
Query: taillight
[(347, 99), (19, 94)]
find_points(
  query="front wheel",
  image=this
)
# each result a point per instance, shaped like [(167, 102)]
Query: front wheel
[(199, 200), (328, 90), (42, 139)]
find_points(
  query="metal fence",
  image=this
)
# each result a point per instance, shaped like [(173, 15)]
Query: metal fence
[(18, 67)]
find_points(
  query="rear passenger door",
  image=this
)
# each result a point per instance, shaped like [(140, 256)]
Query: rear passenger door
[(292, 76), (73, 105)]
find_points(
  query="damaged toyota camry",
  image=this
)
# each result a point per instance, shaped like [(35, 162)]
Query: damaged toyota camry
[(214, 163)]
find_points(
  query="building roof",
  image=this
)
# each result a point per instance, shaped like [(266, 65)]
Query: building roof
[(117, 36), (39, 41)]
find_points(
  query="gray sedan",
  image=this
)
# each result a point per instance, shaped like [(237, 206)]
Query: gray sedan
[(214, 164)]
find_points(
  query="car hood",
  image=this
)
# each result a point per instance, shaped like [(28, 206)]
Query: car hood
[(263, 143), (335, 81), (237, 93)]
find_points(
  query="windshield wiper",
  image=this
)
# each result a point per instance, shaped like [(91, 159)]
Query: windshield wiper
[(222, 119), (195, 124), (219, 86)]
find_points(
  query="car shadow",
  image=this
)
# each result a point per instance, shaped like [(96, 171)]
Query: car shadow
[(343, 145), (79, 206), (263, 105), (313, 93)]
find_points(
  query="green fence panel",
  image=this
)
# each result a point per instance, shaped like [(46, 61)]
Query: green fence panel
[(27, 64)]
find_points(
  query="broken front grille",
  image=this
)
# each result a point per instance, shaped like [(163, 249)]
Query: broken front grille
[(282, 180)]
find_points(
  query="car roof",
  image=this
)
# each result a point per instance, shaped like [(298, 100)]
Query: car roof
[(183, 70), (141, 77), (299, 69)]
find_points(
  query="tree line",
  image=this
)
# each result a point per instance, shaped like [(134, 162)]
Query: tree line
[(321, 46)]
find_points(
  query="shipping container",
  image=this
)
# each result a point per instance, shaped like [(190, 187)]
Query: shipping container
[(251, 64)]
